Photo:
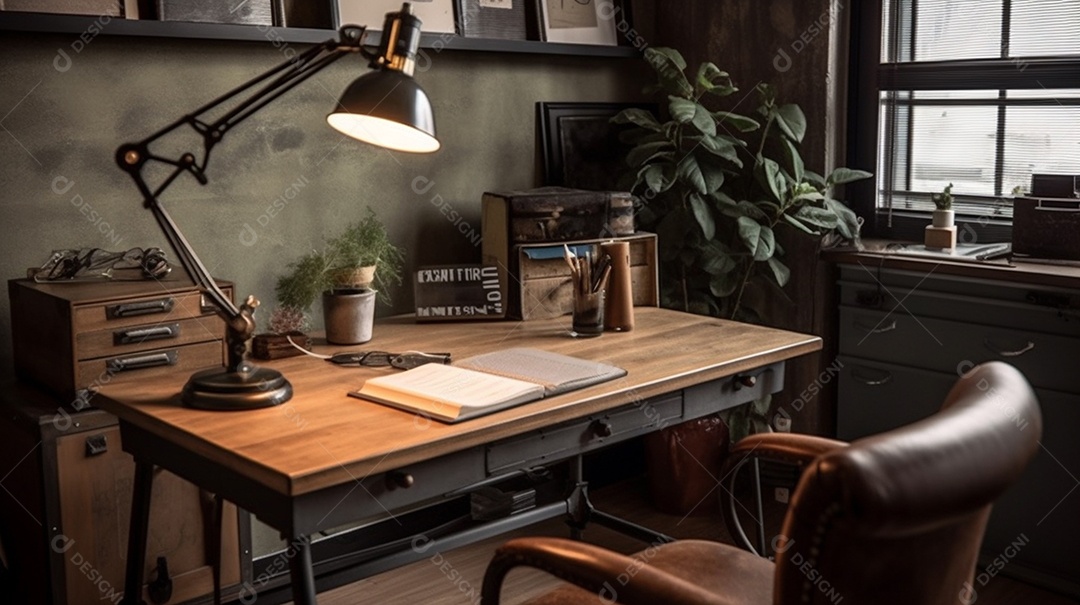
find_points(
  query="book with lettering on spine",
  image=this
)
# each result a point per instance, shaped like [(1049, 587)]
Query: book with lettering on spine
[(485, 383)]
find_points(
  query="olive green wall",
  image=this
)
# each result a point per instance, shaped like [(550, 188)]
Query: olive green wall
[(280, 181)]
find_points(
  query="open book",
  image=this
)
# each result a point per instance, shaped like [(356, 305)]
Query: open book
[(485, 383)]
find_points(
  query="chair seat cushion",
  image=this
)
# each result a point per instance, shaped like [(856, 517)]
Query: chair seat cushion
[(735, 574)]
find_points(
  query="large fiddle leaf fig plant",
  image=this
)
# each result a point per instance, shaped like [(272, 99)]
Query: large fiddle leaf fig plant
[(718, 185)]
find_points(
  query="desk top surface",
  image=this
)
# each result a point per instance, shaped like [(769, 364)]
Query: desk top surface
[(322, 437)]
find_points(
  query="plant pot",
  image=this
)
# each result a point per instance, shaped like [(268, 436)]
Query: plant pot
[(359, 278), (348, 315), (943, 218)]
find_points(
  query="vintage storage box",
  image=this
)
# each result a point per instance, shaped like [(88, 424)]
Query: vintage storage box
[(553, 214), (72, 337), (65, 515), (1046, 228), (251, 12), (537, 278)]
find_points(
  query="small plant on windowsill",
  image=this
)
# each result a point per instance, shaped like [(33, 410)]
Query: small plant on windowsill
[(943, 212)]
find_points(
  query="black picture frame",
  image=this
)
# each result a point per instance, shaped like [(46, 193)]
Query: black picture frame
[(580, 146)]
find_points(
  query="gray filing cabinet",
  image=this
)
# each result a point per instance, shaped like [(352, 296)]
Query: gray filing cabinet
[(905, 335)]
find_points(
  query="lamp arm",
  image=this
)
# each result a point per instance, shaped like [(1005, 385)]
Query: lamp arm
[(133, 157)]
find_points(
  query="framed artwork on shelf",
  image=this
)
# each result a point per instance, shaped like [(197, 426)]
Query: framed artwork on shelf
[(437, 15), (580, 146), (578, 22)]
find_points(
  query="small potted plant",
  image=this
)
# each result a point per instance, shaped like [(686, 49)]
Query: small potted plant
[(943, 212), (348, 273)]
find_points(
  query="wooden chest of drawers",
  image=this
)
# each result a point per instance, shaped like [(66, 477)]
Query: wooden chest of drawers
[(72, 337)]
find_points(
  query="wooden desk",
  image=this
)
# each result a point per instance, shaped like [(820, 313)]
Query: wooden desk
[(324, 459)]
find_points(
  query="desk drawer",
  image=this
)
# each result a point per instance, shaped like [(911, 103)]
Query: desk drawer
[(875, 397), (123, 340), (146, 365), (557, 443), (425, 481), (112, 315), (733, 391)]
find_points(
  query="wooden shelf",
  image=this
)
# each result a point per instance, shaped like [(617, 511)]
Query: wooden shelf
[(93, 26)]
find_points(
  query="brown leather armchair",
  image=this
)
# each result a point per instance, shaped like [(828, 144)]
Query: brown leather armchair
[(895, 518)]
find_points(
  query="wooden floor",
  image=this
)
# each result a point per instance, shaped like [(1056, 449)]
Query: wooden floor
[(454, 577)]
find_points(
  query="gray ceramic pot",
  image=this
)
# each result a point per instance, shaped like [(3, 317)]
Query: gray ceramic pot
[(348, 316)]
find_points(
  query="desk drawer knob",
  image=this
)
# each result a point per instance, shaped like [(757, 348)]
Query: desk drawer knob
[(745, 380), (601, 429), (399, 479)]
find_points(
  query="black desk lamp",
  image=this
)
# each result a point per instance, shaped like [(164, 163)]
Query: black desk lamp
[(385, 107)]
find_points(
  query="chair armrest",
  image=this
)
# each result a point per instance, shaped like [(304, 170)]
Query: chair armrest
[(593, 569), (790, 448)]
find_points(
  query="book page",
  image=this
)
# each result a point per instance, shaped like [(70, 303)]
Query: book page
[(444, 385), (557, 373)]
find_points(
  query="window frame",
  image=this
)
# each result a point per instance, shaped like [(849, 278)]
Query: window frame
[(868, 77)]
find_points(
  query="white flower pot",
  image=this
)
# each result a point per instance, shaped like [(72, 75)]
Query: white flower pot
[(943, 218)]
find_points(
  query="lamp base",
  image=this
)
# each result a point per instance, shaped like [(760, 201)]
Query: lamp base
[(250, 388)]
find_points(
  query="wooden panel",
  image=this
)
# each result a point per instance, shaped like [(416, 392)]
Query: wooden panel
[(94, 510), (667, 351)]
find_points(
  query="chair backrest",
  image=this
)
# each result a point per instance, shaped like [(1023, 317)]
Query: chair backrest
[(899, 517)]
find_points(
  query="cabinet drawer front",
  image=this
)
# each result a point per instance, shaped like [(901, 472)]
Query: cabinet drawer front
[(557, 443), (1046, 360), (143, 365), (119, 341), (719, 395), (875, 397), (146, 310)]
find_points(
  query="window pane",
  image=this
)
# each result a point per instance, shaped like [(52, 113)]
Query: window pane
[(1044, 140), (953, 145), (1044, 28), (957, 29)]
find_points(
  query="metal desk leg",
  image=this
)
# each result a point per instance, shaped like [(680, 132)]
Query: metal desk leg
[(303, 577), (138, 532)]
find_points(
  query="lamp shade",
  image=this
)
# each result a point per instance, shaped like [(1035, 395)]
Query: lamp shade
[(389, 109)]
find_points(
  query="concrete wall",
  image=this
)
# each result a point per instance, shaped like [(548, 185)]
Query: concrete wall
[(280, 181)]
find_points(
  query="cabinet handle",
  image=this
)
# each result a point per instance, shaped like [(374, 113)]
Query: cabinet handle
[(153, 360), (124, 337), (878, 329), (163, 305), (1017, 353), (885, 378), (399, 480)]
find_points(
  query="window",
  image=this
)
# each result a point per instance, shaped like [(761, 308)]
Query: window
[(978, 93)]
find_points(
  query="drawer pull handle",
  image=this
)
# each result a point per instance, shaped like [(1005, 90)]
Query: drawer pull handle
[(884, 379), (139, 362), (96, 445), (138, 335), (876, 329), (1017, 353), (399, 479), (149, 307)]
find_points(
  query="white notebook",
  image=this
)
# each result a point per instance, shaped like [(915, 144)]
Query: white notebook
[(485, 383)]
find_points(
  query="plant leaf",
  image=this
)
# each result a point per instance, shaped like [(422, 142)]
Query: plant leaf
[(795, 161), (750, 233), (737, 121), (682, 110), (646, 151), (800, 225), (712, 80), (815, 179), (724, 284), (654, 178), (847, 223), (639, 117), (669, 66), (721, 146), (820, 217), (773, 180), (847, 175), (712, 171), (703, 215), (792, 121), (690, 173)]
